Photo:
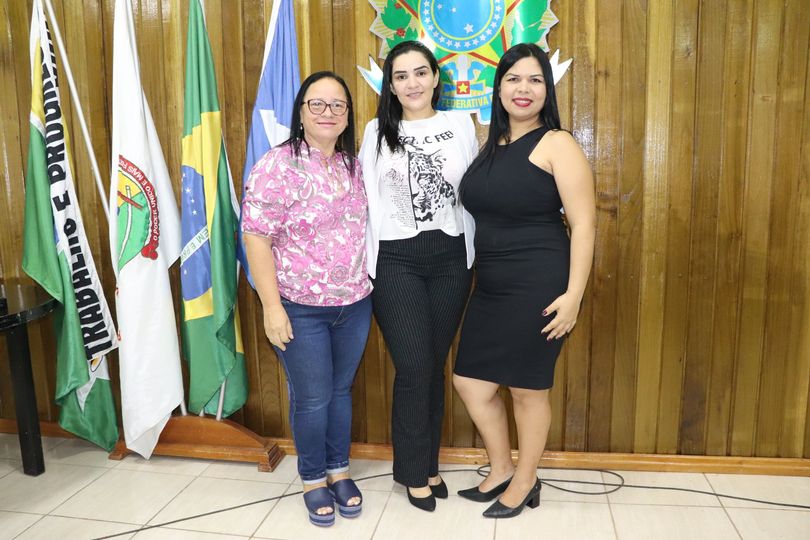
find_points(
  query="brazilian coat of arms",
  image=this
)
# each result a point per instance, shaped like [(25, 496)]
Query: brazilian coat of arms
[(468, 37)]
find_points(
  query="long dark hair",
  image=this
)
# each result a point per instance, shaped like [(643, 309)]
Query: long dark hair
[(389, 109), (499, 124), (345, 143)]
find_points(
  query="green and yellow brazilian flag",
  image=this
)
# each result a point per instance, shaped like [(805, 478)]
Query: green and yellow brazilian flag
[(211, 333)]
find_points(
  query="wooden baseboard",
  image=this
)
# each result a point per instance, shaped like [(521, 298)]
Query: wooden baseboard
[(46, 429), (557, 460)]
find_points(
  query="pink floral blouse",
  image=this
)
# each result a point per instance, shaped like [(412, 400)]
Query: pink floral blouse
[(315, 211)]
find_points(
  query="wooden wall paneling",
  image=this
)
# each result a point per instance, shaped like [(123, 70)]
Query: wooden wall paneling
[(321, 37), (793, 443), (365, 44), (234, 98), (212, 10), (673, 345), (582, 41), (760, 146), (630, 191), (85, 62), (42, 347), (304, 32), (736, 86), (598, 134), (576, 351), (557, 399), (344, 34), (655, 227), (174, 22), (14, 135), (254, 33), (778, 391), (376, 400), (703, 242)]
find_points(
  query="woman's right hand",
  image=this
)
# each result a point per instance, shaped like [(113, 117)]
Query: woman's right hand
[(277, 326)]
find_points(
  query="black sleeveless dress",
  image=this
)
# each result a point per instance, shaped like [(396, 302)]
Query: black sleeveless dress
[(522, 258)]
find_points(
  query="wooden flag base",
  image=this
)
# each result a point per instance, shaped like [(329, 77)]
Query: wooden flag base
[(208, 438)]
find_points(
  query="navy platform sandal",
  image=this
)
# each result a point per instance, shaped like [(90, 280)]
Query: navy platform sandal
[(317, 499), (343, 491)]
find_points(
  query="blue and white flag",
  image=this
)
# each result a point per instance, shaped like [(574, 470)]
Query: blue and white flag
[(279, 82)]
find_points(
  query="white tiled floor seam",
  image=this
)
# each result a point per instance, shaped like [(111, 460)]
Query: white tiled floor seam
[(613, 521), (385, 507), (272, 507), (724, 507)]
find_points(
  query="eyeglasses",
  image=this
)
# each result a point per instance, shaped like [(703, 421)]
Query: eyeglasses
[(318, 106)]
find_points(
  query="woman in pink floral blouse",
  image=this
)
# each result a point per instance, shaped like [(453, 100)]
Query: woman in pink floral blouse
[(304, 224)]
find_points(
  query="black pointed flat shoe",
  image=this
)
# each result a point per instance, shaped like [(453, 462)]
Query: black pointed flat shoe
[(428, 504), (475, 494), (500, 510), (439, 490)]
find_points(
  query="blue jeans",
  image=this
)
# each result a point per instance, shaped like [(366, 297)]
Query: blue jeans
[(321, 361)]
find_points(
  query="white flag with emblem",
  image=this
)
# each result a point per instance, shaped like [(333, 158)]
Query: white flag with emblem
[(144, 242)]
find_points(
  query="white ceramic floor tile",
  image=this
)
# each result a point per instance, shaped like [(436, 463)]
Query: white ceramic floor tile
[(41, 494), (13, 523), (51, 527), (362, 468), (289, 520), (174, 534), (756, 524), (79, 452), (125, 496), (454, 518), (10, 445), (285, 472), (49, 443), (628, 495), (163, 464), (788, 489), (643, 522), (558, 519), (9, 465), (209, 494), (558, 477)]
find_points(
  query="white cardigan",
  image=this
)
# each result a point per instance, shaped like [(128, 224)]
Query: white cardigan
[(458, 122)]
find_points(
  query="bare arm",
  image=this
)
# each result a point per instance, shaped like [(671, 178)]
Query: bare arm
[(260, 259), (562, 156)]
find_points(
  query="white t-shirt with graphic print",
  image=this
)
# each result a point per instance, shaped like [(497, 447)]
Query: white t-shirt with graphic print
[(417, 190)]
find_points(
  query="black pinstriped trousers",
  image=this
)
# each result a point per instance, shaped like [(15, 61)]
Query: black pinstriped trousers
[(420, 291)]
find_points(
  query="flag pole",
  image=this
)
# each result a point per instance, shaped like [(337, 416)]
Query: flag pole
[(80, 113), (221, 403)]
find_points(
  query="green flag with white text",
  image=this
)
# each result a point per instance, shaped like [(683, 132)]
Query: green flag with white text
[(57, 256)]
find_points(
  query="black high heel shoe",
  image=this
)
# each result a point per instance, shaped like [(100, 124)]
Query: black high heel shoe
[(439, 490), (475, 494), (499, 510), (428, 504)]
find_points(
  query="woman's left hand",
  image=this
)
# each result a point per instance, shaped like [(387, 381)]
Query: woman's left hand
[(566, 307)]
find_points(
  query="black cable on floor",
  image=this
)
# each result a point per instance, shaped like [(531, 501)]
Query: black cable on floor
[(610, 488)]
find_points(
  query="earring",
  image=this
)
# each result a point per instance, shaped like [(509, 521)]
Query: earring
[(301, 126)]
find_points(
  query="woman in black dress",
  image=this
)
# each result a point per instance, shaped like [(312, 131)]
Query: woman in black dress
[(530, 275)]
